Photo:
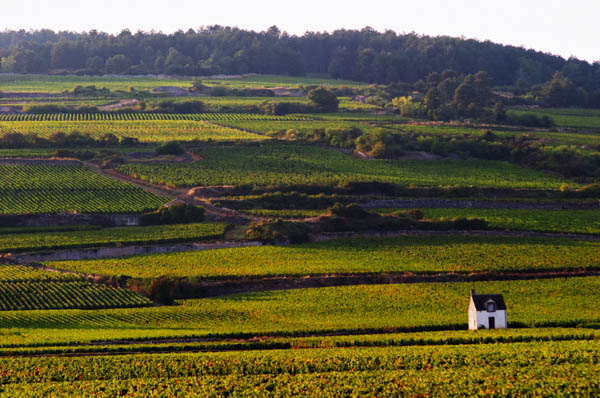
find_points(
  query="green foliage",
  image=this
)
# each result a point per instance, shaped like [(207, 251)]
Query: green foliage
[(175, 214), (24, 288), (402, 254), (170, 148), (285, 164), (278, 231), (351, 210), (323, 99), (111, 237), (573, 221), (399, 308), (145, 128), (55, 188), (163, 290), (564, 367)]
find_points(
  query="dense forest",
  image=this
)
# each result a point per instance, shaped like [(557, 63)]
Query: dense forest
[(365, 55)]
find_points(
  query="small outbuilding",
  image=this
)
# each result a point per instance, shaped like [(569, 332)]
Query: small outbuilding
[(486, 311)]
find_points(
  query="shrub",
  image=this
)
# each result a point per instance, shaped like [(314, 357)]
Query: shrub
[(176, 214), (351, 210), (170, 148), (278, 231), (324, 100), (164, 290)]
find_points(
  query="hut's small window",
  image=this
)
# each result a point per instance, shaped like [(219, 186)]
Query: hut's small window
[(491, 307)]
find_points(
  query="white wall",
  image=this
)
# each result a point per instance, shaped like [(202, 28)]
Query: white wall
[(472, 316), (483, 319)]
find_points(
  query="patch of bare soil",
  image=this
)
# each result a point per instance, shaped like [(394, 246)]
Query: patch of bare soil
[(287, 92), (120, 104), (419, 155), (10, 110), (172, 91)]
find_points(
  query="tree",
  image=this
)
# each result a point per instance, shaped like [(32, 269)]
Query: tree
[(325, 100), (432, 99), (406, 106), (119, 64), (464, 95), (559, 91), (499, 113)]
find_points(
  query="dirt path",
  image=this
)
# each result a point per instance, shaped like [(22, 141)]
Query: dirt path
[(120, 104), (125, 251), (323, 237), (184, 195), (472, 204)]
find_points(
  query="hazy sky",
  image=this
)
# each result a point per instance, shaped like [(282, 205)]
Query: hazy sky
[(556, 26)]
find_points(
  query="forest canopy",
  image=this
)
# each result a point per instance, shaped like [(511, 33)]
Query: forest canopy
[(362, 55)]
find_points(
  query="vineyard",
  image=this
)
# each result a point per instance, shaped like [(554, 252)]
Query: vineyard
[(568, 221), (198, 117), (566, 302), (280, 164), (25, 288), (48, 187), (20, 273), (232, 306), (111, 237), (143, 130), (403, 254), (33, 295), (566, 368)]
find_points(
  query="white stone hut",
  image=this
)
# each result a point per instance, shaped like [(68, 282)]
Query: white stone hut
[(486, 311)]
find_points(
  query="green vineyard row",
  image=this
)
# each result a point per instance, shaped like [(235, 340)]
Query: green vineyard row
[(116, 116)]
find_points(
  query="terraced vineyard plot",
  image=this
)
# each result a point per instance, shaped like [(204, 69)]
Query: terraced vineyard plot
[(280, 164), (573, 221), (57, 84), (20, 273), (264, 126), (566, 368), (145, 117), (144, 130), (111, 237), (269, 81), (548, 138), (584, 118), (426, 306), (410, 253), (34, 295), (48, 187)]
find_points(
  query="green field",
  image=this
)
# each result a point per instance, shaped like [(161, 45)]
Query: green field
[(567, 117), (143, 130), (566, 368), (20, 273), (270, 81), (132, 116), (26, 288), (44, 295), (402, 254), (58, 84), (281, 164), (547, 138), (570, 221), (48, 187), (403, 307), (264, 126), (111, 237)]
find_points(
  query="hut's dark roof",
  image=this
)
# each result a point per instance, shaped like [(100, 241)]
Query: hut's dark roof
[(481, 299)]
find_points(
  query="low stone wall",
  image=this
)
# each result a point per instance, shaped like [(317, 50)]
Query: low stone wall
[(49, 220)]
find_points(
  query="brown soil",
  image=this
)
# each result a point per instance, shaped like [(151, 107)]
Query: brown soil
[(120, 104)]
